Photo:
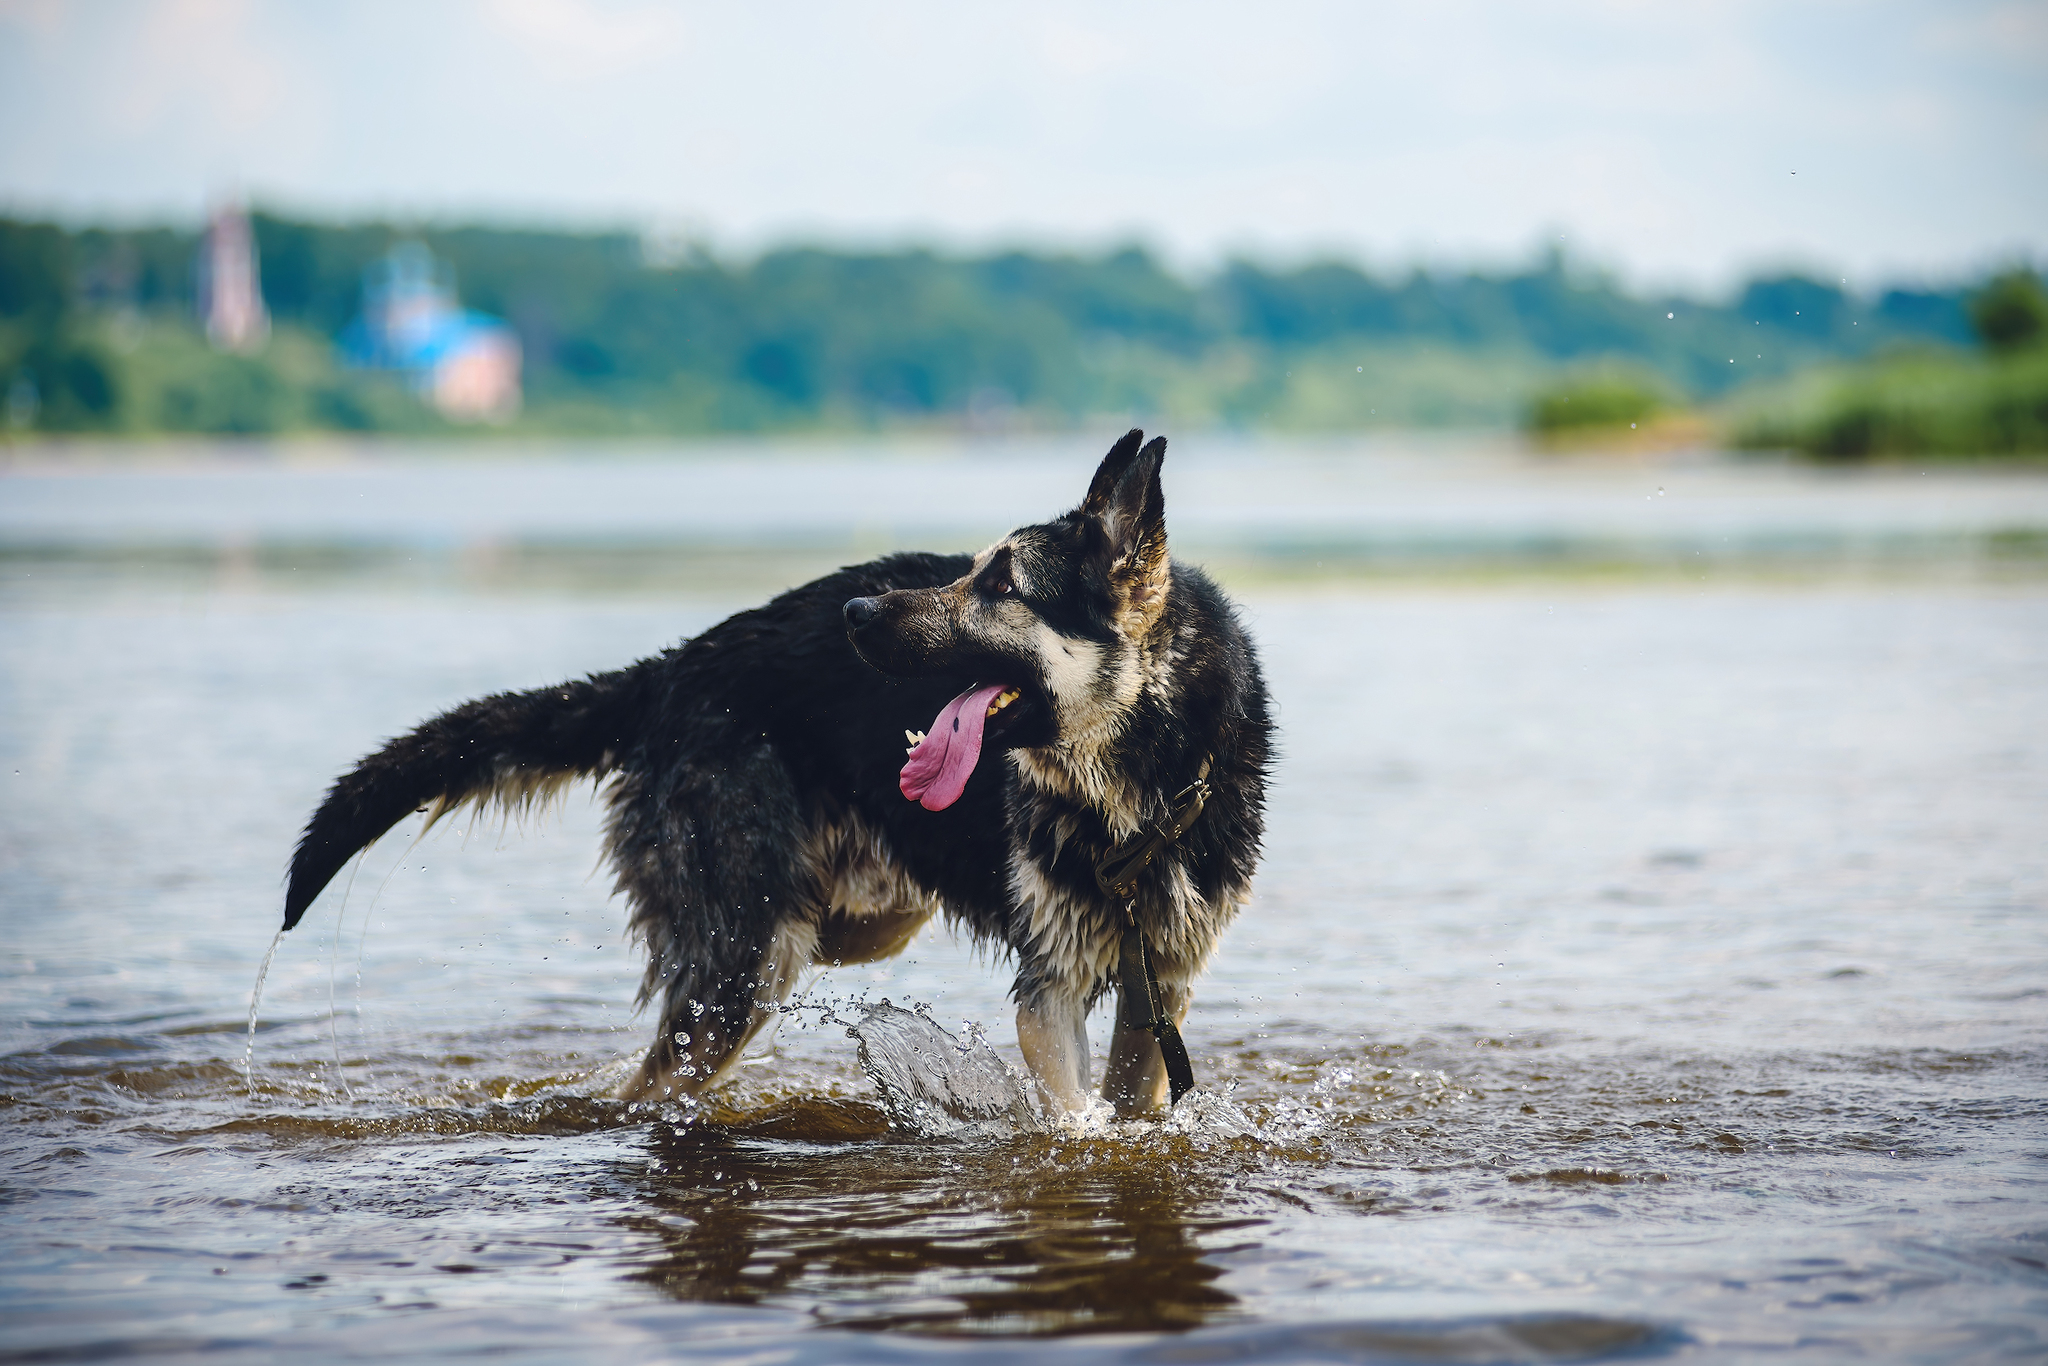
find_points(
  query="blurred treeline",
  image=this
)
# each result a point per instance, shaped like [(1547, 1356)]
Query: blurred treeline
[(621, 337), (1912, 402)]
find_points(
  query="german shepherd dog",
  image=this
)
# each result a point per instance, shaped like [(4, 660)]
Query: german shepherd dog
[(763, 818)]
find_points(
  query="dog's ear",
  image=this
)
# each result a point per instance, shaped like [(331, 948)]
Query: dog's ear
[(1102, 488), (1127, 502)]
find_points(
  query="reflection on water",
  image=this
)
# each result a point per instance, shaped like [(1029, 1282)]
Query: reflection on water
[(1639, 969), (992, 1238)]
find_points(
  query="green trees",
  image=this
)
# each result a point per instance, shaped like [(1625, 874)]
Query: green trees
[(2011, 312), (36, 272), (96, 333), (62, 384)]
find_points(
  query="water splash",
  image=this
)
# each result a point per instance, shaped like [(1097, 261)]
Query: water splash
[(1207, 1116), (938, 1086), (255, 1001)]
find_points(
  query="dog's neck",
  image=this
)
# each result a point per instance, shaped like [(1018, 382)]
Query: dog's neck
[(1056, 771), (1091, 769), (1090, 765)]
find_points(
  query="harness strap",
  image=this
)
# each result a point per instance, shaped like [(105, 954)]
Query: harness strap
[(1117, 873), (1134, 967)]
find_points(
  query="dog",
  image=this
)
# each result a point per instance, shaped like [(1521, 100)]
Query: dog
[(1054, 690)]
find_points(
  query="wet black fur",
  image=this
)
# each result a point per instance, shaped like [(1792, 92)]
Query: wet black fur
[(725, 753)]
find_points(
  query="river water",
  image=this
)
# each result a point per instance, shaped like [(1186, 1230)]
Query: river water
[(1650, 957)]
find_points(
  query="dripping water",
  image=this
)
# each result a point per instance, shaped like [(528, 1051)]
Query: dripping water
[(333, 1012), (256, 1001)]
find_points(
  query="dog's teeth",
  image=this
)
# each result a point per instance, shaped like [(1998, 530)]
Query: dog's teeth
[(1008, 696), (916, 738)]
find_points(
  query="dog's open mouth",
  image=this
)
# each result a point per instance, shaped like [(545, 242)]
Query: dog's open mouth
[(943, 758)]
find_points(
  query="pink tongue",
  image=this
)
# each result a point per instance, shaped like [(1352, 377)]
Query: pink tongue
[(938, 769)]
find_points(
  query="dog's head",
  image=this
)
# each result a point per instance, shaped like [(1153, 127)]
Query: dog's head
[(1053, 623)]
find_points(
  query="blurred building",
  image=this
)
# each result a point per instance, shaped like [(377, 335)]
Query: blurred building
[(465, 363), (230, 289)]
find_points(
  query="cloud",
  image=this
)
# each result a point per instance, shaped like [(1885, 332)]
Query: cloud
[(583, 39), (1663, 137), (225, 79)]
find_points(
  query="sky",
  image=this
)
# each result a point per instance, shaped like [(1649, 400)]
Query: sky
[(1680, 145)]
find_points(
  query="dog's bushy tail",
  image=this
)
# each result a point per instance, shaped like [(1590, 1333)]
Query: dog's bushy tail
[(513, 750)]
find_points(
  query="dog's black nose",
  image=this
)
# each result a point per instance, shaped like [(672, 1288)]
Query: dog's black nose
[(860, 612)]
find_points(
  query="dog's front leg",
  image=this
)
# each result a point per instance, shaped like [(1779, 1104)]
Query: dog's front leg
[(1053, 1032), (1135, 1079)]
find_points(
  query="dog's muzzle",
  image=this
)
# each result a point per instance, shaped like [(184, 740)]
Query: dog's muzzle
[(875, 627)]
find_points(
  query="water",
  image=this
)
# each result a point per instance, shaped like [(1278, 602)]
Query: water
[(937, 1085), (1644, 965)]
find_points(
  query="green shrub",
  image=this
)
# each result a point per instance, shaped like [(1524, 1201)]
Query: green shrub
[(234, 395), (1911, 406), (1593, 401)]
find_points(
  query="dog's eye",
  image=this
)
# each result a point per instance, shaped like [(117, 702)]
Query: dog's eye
[(1002, 588)]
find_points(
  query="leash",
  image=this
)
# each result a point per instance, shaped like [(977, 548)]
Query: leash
[(1117, 873)]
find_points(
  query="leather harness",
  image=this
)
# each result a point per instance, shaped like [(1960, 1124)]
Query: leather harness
[(1117, 873)]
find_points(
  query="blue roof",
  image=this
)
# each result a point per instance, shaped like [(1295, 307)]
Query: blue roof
[(410, 320)]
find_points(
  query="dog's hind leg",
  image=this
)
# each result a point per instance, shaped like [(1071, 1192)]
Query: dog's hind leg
[(1134, 1081), (704, 1030), (706, 855), (808, 936)]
